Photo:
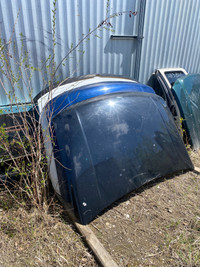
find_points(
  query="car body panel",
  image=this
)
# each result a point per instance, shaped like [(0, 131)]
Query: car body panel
[(187, 94), (105, 139)]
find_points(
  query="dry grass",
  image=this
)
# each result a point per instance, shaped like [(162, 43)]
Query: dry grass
[(159, 225), (29, 238)]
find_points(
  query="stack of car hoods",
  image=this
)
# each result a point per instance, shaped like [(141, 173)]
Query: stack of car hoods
[(106, 136)]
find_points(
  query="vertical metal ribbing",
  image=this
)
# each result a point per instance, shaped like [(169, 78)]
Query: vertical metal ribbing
[(141, 14)]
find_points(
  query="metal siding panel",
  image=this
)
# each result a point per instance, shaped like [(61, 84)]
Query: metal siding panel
[(74, 18), (171, 36)]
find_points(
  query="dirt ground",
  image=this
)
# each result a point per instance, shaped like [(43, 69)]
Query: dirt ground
[(157, 225)]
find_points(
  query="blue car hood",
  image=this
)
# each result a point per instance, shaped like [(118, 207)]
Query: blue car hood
[(109, 145)]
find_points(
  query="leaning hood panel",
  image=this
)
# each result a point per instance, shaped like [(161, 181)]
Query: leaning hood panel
[(113, 144), (187, 93)]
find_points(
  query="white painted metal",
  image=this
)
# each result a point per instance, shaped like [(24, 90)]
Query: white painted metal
[(171, 36), (31, 22), (42, 101), (163, 71)]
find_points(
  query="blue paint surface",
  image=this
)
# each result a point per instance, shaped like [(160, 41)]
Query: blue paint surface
[(111, 145), (83, 93)]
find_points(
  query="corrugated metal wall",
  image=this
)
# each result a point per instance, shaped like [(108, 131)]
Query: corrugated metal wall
[(171, 39), (171, 36), (32, 23)]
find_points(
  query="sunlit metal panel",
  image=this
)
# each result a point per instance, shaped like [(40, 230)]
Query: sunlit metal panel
[(171, 36), (29, 27)]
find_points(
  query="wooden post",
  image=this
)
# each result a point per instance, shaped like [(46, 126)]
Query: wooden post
[(93, 242), (197, 169)]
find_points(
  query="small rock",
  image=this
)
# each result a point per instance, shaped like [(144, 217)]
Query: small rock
[(169, 210), (107, 224), (84, 260)]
